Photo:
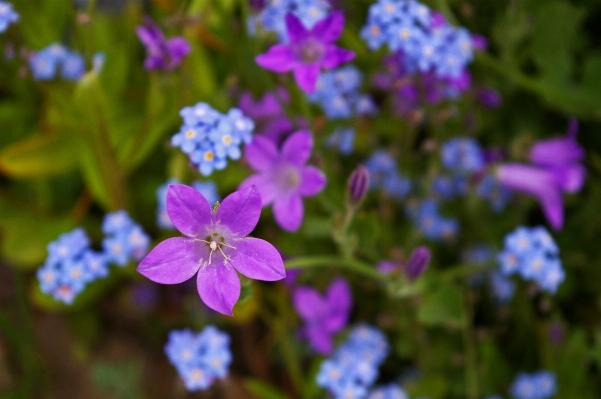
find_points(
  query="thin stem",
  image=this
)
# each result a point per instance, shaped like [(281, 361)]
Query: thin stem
[(350, 264), (471, 360)]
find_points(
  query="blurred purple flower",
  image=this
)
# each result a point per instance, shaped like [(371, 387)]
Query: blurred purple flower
[(556, 170), (308, 50), (489, 97), (215, 245), (323, 315), (161, 54), (283, 178)]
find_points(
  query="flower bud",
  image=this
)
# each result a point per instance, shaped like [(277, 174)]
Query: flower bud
[(357, 186), (419, 260)]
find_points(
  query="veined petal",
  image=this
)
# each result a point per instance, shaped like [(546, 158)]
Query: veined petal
[(173, 261), (295, 28), (297, 148), (306, 76), (288, 212), (188, 209), (330, 28), (240, 211), (261, 154), (279, 58), (313, 181), (335, 56), (264, 184), (258, 259), (308, 303), (219, 287)]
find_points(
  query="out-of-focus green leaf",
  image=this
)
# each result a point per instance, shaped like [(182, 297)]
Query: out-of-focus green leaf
[(442, 307), (39, 155), (200, 69), (26, 236), (263, 390)]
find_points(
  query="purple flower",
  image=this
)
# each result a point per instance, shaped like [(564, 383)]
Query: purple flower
[(538, 182), (283, 178), (323, 315), (558, 152), (556, 170), (418, 262), (215, 245), (161, 54), (308, 50)]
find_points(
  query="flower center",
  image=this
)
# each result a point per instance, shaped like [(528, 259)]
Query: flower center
[(216, 243), (289, 178), (311, 51)]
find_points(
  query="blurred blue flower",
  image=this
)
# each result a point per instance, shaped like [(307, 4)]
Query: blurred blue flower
[(539, 385), (462, 155), (271, 18), (390, 391), (125, 239), (383, 175), (532, 253), (45, 63), (7, 15), (199, 358)]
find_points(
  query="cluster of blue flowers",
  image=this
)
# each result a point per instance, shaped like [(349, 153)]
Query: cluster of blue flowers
[(45, 63), (539, 385), (383, 174), (390, 391), (272, 16), (492, 190), (125, 240), (532, 253), (342, 139), (207, 189), (199, 358), (7, 15), (353, 368), (425, 39), (209, 137), (71, 263), (462, 155), (337, 92), (426, 217)]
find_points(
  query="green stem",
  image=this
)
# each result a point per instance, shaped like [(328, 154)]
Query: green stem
[(350, 264), (471, 360)]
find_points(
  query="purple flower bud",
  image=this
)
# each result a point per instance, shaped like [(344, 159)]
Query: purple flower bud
[(419, 260), (358, 183)]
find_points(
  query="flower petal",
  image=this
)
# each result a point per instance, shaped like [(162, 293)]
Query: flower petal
[(288, 212), (340, 301), (306, 76), (173, 261), (264, 184), (188, 209), (308, 303), (320, 339), (335, 56), (295, 28), (261, 154), (313, 181), (240, 211), (178, 47), (330, 28), (258, 259), (219, 287), (279, 58), (297, 148)]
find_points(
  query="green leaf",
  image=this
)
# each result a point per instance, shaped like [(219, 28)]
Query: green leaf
[(263, 390), (443, 306), (39, 155), (25, 237)]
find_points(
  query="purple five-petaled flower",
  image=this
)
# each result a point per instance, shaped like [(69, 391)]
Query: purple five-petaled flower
[(308, 51), (556, 170), (161, 54), (215, 245), (323, 315), (283, 178)]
